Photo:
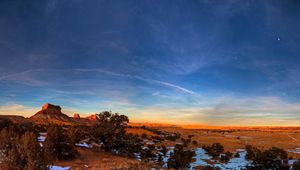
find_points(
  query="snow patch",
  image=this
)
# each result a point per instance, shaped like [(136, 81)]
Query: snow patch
[(41, 138), (83, 145), (54, 167), (200, 156), (234, 163), (165, 158), (297, 150)]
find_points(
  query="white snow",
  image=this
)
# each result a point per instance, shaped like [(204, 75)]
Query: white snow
[(41, 138), (145, 147), (83, 145), (200, 156), (291, 161), (137, 156), (150, 143), (234, 163), (297, 150), (54, 167), (165, 158)]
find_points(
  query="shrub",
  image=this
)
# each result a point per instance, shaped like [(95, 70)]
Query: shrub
[(144, 136), (273, 158), (214, 150), (164, 149), (190, 136), (58, 146), (296, 165), (172, 137), (252, 152), (76, 134), (180, 158), (110, 130), (21, 151), (5, 123), (236, 155), (226, 157)]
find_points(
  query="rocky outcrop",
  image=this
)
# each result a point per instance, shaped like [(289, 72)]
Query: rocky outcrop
[(92, 117), (50, 108), (51, 112), (76, 116)]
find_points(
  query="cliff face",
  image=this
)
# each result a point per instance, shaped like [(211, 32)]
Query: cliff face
[(50, 107), (51, 112), (76, 116), (92, 117)]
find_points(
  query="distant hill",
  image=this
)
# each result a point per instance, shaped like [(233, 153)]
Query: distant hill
[(51, 114), (13, 118)]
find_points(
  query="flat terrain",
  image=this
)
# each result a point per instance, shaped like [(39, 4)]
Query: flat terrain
[(231, 140), (238, 138)]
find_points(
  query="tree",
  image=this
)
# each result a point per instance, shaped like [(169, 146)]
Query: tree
[(164, 149), (296, 165), (218, 148), (21, 152), (5, 123), (110, 130), (58, 146), (252, 152), (226, 157), (214, 150), (236, 155), (32, 152), (273, 158), (77, 133), (180, 158)]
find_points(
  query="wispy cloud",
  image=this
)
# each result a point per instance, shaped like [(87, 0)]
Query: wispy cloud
[(174, 86), (17, 109), (25, 77)]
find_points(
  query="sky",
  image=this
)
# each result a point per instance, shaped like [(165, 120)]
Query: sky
[(231, 62)]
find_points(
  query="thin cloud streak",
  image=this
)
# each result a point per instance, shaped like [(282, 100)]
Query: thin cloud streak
[(27, 79), (140, 78)]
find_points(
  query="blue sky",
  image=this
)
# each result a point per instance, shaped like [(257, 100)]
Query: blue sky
[(188, 62)]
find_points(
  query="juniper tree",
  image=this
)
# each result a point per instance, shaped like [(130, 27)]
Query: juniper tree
[(58, 146)]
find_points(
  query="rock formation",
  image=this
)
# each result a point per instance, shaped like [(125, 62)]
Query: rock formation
[(50, 111), (92, 117), (76, 116)]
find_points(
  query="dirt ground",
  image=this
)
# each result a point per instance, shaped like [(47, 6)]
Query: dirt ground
[(93, 160)]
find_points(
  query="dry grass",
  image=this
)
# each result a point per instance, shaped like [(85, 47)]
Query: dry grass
[(263, 139), (236, 139), (139, 131)]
